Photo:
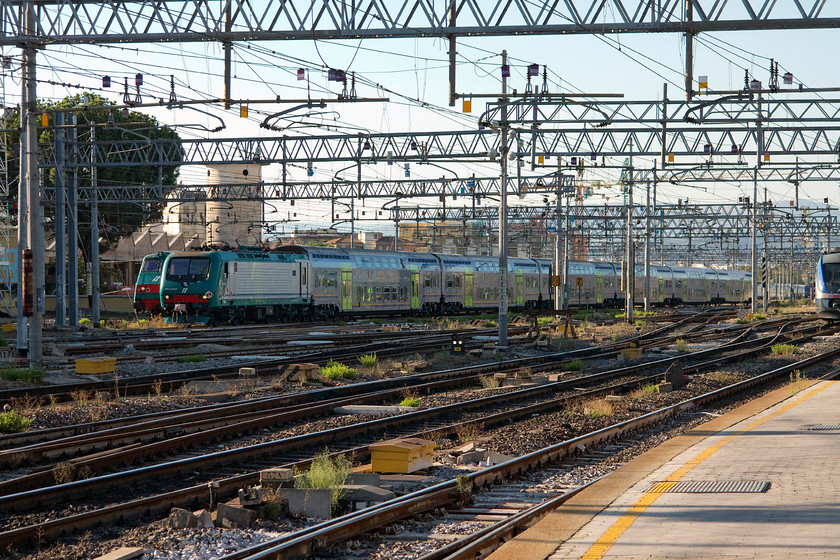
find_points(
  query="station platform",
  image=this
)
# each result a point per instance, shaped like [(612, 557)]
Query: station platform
[(760, 481)]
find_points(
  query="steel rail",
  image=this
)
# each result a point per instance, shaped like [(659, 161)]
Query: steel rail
[(154, 502), (327, 534)]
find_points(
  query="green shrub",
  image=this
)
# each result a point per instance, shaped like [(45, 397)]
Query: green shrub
[(413, 402), (545, 320), (681, 345), (760, 316), (12, 423), (337, 370), (192, 358), (368, 360), (575, 365), (35, 375), (326, 474), (784, 349), (640, 323), (742, 321), (84, 322), (580, 316)]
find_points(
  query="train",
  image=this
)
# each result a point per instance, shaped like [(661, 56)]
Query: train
[(147, 286), (827, 285), (304, 283), (298, 283)]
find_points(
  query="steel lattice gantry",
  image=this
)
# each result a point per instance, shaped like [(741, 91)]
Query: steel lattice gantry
[(768, 122), (115, 21), (703, 221), (478, 187)]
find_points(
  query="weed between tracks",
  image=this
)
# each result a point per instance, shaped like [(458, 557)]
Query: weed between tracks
[(326, 473)]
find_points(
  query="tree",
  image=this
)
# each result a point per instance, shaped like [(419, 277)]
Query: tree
[(116, 220)]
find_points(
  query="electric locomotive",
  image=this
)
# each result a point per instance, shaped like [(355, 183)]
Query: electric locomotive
[(827, 285), (147, 287), (235, 286)]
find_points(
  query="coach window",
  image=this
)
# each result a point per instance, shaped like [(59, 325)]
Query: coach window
[(331, 279), (457, 281), (449, 281), (428, 281)]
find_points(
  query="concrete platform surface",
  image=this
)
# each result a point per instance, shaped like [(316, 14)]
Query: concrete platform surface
[(699, 496)]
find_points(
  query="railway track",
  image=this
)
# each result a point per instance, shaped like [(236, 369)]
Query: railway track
[(502, 480), (31, 446), (538, 399), (143, 385)]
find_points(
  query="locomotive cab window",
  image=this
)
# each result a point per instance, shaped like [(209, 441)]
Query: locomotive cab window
[(151, 265), (188, 269)]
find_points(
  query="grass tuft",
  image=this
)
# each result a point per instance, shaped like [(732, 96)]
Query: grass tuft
[(35, 375), (681, 345), (412, 402), (192, 358), (575, 365), (368, 360), (326, 473), (337, 370), (12, 423), (784, 349)]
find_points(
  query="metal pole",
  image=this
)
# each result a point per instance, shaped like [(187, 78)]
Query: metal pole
[(558, 295), (453, 11), (759, 147), (94, 230), (754, 243), (791, 267), (22, 335), (34, 221), (60, 226), (647, 245), (689, 52), (631, 259), (73, 231), (503, 264), (564, 281), (766, 221), (397, 228)]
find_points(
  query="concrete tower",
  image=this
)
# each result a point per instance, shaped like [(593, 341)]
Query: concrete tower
[(236, 222)]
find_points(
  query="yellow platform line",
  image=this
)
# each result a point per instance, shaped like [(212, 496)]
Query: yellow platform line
[(611, 535)]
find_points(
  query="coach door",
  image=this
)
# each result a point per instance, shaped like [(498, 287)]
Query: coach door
[(520, 285), (468, 287), (599, 287), (415, 288), (346, 290)]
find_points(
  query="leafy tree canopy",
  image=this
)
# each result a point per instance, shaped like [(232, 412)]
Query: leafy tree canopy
[(116, 220)]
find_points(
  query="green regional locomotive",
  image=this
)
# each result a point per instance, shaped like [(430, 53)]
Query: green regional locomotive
[(235, 286), (147, 286)]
